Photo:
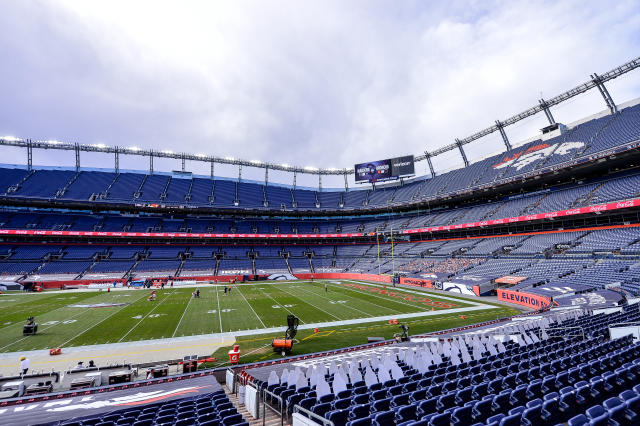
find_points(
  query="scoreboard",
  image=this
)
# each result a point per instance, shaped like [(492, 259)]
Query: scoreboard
[(381, 170)]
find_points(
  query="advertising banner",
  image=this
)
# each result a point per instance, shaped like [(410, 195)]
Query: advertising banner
[(530, 217), (533, 301), (562, 213), (402, 166), (415, 281), (87, 403)]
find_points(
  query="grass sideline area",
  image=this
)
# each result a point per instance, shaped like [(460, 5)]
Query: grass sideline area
[(80, 318), (258, 348)]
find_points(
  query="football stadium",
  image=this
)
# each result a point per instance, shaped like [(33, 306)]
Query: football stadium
[(205, 289)]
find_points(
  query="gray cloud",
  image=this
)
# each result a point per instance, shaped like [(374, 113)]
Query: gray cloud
[(314, 83)]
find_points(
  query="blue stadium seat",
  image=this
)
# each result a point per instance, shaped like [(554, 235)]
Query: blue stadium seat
[(359, 411), (406, 413), (338, 417), (462, 416)]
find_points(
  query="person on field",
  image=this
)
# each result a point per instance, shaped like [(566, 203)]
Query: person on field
[(197, 293), (24, 365), (326, 287)]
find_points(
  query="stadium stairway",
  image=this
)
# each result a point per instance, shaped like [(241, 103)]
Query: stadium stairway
[(271, 418)]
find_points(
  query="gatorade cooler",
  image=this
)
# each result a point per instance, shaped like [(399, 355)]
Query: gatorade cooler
[(234, 354)]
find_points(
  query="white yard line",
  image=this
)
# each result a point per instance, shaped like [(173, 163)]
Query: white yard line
[(219, 313), (48, 312), (341, 295), (422, 293), (182, 316), (391, 298), (310, 304), (255, 313), (10, 357), (45, 328), (146, 315), (283, 307), (95, 325), (367, 301)]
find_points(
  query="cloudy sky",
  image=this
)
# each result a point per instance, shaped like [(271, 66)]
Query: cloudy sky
[(319, 83)]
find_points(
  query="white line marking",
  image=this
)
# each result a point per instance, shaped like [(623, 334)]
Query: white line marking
[(43, 313), (252, 332), (182, 316), (367, 301), (422, 293), (310, 304), (278, 303), (219, 313), (95, 325), (148, 313), (389, 298), (45, 328), (256, 314), (342, 295)]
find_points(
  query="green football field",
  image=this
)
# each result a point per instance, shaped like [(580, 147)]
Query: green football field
[(78, 318)]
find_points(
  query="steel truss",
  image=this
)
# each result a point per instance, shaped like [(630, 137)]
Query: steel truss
[(544, 105)]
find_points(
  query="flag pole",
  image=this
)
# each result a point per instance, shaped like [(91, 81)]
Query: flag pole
[(378, 243), (393, 261)]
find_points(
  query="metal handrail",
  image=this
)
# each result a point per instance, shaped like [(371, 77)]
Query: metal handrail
[(274, 409), (324, 421), (625, 324), (579, 329)]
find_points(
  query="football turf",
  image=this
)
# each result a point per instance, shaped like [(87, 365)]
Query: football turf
[(258, 348), (96, 317)]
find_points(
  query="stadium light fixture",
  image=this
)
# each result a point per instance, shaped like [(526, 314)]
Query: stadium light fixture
[(53, 142), (134, 148), (10, 138), (311, 168), (229, 158), (167, 151)]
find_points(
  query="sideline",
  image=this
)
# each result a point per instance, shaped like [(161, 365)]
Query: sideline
[(422, 293), (253, 332)]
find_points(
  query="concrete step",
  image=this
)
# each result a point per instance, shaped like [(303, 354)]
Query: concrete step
[(272, 419)]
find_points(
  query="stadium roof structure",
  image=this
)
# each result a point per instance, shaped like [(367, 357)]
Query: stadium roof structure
[(596, 81)]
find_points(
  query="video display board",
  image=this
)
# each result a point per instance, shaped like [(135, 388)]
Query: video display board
[(392, 168)]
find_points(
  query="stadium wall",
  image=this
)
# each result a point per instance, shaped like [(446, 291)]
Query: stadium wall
[(54, 284)]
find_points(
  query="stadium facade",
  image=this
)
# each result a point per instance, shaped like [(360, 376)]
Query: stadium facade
[(555, 217), (552, 224)]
